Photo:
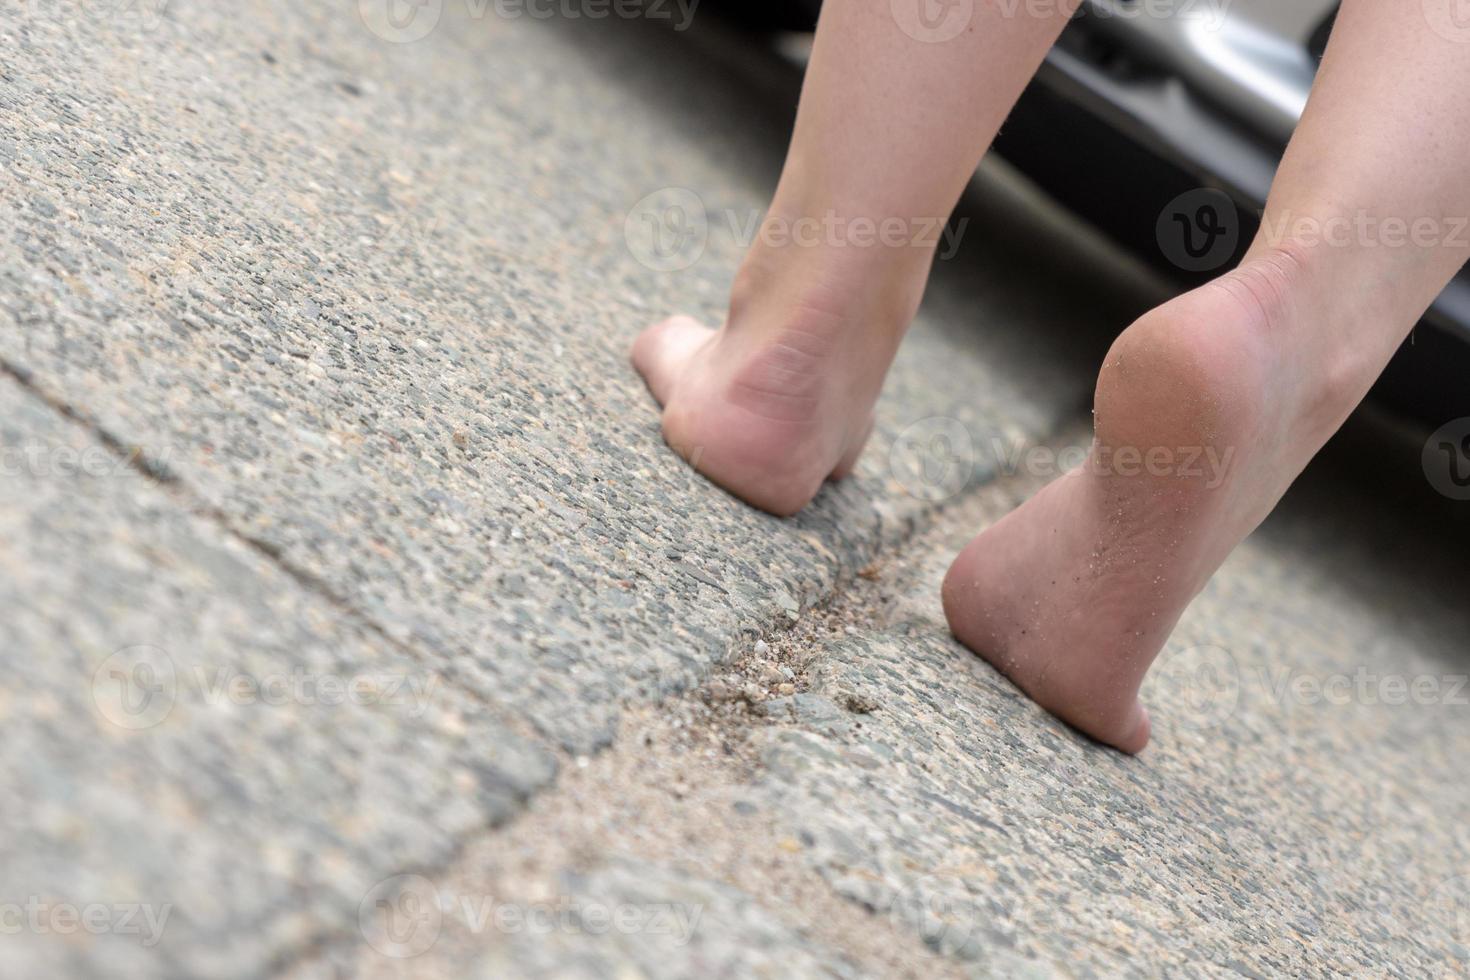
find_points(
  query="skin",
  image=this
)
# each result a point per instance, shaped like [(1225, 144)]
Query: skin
[(1074, 594)]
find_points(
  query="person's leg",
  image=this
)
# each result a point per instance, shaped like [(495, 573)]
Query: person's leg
[(1074, 594), (890, 129)]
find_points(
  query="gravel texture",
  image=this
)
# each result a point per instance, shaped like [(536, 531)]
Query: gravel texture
[(1269, 829), (212, 759), (341, 322), (371, 302)]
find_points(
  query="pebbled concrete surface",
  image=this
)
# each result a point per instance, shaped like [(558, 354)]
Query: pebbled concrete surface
[(906, 806), (1281, 823), (356, 313), (215, 761), (371, 302)]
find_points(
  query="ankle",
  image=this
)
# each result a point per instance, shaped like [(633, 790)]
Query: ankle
[(874, 289), (1309, 303)]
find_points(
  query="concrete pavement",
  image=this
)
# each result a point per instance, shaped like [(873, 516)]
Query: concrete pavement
[(316, 407)]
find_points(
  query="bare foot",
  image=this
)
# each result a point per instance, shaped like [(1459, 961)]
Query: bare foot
[(1206, 409), (781, 398)]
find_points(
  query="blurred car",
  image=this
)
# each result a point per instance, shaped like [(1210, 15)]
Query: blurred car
[(1162, 122)]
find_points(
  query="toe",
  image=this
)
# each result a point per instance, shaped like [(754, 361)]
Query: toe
[(662, 350)]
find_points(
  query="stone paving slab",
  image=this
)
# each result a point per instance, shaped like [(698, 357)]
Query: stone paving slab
[(1301, 811), (370, 301), (206, 765)]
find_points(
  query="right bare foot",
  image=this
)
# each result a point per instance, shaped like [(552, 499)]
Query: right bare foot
[(1206, 410), (781, 398)]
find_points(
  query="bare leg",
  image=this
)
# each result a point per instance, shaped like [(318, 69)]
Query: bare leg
[(890, 129), (1074, 594)]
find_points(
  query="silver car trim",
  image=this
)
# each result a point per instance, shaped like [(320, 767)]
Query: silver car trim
[(1249, 55)]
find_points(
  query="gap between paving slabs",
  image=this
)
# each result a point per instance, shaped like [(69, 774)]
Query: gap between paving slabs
[(159, 473), (997, 838), (258, 821), (761, 682), (674, 796), (779, 679)]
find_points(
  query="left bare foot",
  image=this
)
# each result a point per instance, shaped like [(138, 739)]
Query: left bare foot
[(1206, 410)]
